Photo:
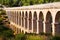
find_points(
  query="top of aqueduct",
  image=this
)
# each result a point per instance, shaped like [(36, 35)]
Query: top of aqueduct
[(55, 5)]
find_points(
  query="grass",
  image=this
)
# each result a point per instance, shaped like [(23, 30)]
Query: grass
[(35, 37), (29, 37)]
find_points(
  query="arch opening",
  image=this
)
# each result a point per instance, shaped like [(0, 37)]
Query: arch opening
[(49, 23), (35, 22), (30, 20), (22, 18), (17, 18), (22, 31), (26, 16), (19, 30), (57, 23), (41, 19)]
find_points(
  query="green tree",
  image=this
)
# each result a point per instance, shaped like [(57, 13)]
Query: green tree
[(17, 3), (11, 3)]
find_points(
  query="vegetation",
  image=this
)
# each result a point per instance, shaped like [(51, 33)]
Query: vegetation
[(15, 3), (56, 38), (20, 36), (5, 32), (35, 37)]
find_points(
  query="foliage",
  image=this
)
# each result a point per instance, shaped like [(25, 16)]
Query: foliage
[(20, 37), (34, 37), (5, 33), (1, 19), (5, 16), (28, 37), (11, 3), (56, 38), (3, 13), (15, 3)]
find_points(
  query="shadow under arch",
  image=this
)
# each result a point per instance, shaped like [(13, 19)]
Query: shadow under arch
[(22, 18), (30, 20), (41, 19), (35, 22), (26, 16), (57, 23), (49, 23), (17, 17)]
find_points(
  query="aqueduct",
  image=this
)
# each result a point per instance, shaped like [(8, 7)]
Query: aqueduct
[(36, 18)]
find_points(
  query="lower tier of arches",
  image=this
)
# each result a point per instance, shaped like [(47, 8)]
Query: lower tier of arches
[(18, 29)]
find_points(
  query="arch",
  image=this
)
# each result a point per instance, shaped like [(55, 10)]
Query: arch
[(57, 23), (14, 16), (14, 29), (17, 30), (17, 17), (22, 18), (35, 22), (26, 16), (30, 20), (11, 15), (22, 31), (49, 23), (41, 19)]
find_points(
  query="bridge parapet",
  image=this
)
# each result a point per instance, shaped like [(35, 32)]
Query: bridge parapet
[(55, 5)]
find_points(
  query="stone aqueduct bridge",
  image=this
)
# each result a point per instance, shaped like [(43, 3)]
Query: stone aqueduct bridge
[(36, 18)]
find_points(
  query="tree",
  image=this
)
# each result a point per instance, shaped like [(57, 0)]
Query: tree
[(17, 3), (11, 3)]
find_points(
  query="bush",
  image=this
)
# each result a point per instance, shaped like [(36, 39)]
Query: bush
[(42, 33), (56, 38), (3, 13), (31, 34), (8, 33), (48, 34), (5, 16), (20, 37), (1, 19), (34, 37)]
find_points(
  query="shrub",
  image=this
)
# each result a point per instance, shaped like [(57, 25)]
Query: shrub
[(34, 37), (20, 37), (56, 38), (3, 13), (48, 34), (5, 16), (1, 19), (42, 33)]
